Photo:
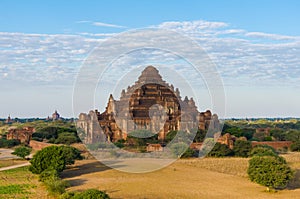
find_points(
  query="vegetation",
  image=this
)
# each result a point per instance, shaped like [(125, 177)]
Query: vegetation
[(270, 171), (267, 168), (263, 150), (54, 157), (242, 148), (22, 151), (55, 185), (220, 150), (14, 189), (4, 143), (142, 138), (87, 194), (178, 149), (295, 146)]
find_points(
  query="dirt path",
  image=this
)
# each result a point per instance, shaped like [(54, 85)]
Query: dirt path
[(6, 154), (15, 166)]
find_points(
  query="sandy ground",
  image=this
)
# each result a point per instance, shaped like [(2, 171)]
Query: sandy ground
[(182, 179), (6, 154)]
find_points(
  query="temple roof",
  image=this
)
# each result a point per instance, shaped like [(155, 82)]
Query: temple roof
[(150, 75)]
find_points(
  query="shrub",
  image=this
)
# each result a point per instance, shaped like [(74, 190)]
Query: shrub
[(200, 135), (262, 151), (48, 174), (220, 150), (55, 185), (120, 143), (49, 157), (66, 138), (71, 154), (188, 153), (4, 143), (91, 194), (22, 151), (178, 148), (295, 146), (142, 137), (242, 148), (269, 171), (53, 157)]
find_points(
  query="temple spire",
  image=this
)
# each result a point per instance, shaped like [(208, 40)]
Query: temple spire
[(150, 75)]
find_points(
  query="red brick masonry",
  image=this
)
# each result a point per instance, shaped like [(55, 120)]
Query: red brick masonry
[(274, 144)]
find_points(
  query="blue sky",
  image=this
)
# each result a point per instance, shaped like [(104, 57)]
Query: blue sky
[(255, 45)]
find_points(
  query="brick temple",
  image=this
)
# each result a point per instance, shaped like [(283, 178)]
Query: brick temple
[(149, 104)]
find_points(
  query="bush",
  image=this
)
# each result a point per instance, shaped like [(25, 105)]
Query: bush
[(178, 149), (242, 148), (56, 186), (22, 151), (53, 157), (67, 195), (200, 135), (220, 150), (91, 194), (120, 143), (4, 143), (142, 137), (188, 153), (269, 171), (295, 146), (263, 151), (66, 138), (71, 154), (48, 174)]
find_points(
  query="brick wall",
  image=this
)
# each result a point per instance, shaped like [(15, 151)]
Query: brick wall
[(274, 144), (35, 145)]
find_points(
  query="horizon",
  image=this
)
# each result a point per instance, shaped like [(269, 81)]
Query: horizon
[(254, 45)]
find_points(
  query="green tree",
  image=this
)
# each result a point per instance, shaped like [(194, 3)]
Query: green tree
[(91, 194), (269, 171), (52, 157), (278, 134), (293, 135), (242, 148), (200, 135), (295, 146), (178, 148), (247, 132), (71, 154), (22, 151), (263, 150), (66, 138), (142, 137), (220, 150), (233, 130), (87, 194)]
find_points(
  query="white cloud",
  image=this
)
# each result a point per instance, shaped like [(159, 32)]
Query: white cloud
[(107, 25), (240, 59), (262, 35), (96, 23)]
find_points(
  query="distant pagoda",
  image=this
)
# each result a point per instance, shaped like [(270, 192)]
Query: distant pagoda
[(131, 112)]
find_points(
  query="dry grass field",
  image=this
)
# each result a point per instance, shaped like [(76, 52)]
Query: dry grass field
[(186, 178), (11, 162), (21, 183)]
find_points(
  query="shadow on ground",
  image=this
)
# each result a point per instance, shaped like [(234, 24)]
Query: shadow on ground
[(85, 168), (295, 183)]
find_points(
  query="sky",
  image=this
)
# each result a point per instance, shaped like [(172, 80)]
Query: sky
[(255, 46)]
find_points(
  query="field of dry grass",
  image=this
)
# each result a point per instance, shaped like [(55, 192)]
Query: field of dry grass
[(21, 183), (11, 162), (187, 178)]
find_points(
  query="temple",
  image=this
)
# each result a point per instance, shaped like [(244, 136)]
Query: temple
[(150, 104)]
